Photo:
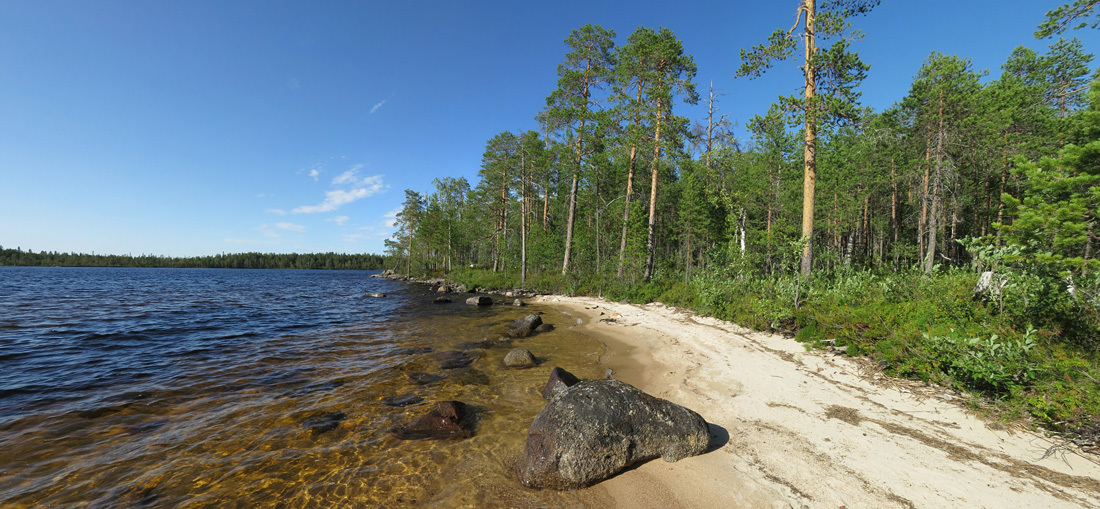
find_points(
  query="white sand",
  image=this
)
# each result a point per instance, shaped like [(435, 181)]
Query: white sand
[(815, 429)]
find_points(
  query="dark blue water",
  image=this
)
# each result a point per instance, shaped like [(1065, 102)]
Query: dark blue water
[(67, 333)]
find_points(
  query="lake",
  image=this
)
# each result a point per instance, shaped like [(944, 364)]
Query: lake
[(128, 387)]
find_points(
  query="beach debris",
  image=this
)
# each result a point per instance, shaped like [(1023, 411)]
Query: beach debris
[(480, 301), (374, 294), (402, 400), (323, 422), (422, 378), (519, 358), (449, 419), (559, 381), (597, 428), (452, 359), (522, 328)]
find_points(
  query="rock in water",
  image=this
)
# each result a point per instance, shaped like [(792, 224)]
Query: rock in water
[(479, 301), (522, 328), (597, 428), (544, 328), (374, 294), (449, 419), (452, 359), (519, 358), (518, 303), (323, 422), (559, 381), (402, 400)]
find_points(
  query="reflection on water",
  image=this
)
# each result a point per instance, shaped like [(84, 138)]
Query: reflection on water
[(292, 415)]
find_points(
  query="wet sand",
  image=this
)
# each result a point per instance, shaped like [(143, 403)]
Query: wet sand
[(814, 429)]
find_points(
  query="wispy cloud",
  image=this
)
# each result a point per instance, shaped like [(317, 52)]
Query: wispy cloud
[(378, 105), (278, 212), (339, 220), (291, 227), (390, 218), (314, 173), (354, 237), (354, 189)]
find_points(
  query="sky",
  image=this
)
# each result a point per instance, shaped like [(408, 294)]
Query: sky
[(202, 127)]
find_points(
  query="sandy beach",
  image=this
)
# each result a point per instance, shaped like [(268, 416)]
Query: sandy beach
[(796, 429)]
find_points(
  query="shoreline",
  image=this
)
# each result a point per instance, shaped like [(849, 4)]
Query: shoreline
[(797, 428)]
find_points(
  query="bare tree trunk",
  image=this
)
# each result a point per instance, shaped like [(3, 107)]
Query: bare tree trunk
[(629, 191), (924, 198), (573, 198), (651, 241), (523, 216), (809, 159)]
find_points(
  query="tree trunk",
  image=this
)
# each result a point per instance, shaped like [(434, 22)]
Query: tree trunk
[(809, 158), (651, 240), (629, 190), (523, 216), (573, 198)]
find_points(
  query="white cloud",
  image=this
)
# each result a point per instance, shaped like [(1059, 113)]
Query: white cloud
[(314, 173), (350, 177), (337, 198), (279, 212), (290, 227), (379, 105), (339, 220), (390, 220)]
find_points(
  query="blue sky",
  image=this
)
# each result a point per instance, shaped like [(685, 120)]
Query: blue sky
[(202, 127)]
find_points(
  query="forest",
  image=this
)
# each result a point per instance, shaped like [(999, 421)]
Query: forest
[(331, 261), (949, 237)]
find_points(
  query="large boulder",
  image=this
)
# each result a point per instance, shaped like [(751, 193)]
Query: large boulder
[(559, 381), (449, 419), (480, 301), (597, 428), (519, 358), (522, 328)]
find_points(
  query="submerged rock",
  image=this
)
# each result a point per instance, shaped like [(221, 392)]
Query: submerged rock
[(524, 326), (597, 428), (323, 422), (470, 376), (422, 378), (480, 301), (449, 419), (442, 300), (402, 400), (412, 350), (519, 358), (452, 359), (559, 381), (474, 345), (544, 328)]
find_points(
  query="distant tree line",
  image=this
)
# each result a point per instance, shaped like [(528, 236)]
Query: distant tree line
[(329, 261)]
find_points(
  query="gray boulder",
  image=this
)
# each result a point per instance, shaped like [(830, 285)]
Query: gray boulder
[(522, 328), (597, 428), (479, 301), (559, 381), (518, 303), (519, 358)]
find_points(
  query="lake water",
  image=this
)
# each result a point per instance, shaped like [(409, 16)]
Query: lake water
[(125, 387)]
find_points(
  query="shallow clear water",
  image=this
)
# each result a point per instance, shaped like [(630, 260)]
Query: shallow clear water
[(190, 387)]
